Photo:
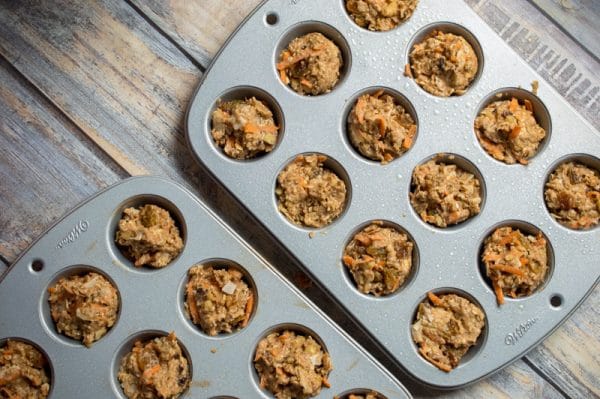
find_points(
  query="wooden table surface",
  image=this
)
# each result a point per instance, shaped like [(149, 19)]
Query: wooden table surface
[(95, 92)]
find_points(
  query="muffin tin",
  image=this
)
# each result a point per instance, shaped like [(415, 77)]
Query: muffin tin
[(152, 303), (446, 260)]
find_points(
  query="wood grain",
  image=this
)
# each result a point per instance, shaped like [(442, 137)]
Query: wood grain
[(126, 86), (47, 165), (578, 17)]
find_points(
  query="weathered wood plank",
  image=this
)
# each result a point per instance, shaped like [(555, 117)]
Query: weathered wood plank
[(516, 381), (3, 267), (122, 82), (47, 165), (201, 27), (571, 356), (578, 17), (91, 77)]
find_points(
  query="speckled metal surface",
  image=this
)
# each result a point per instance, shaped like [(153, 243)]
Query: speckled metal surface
[(152, 303), (448, 259)]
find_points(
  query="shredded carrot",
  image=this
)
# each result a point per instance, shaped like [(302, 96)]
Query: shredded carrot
[(508, 269), (435, 300), (514, 133), (439, 365), (407, 142), (148, 373), (363, 239), (306, 83), (348, 260), (494, 149), (283, 76), (514, 104), (454, 217), (381, 123), (523, 260), (192, 305), (359, 109), (498, 292), (387, 157), (408, 71), (523, 161), (248, 310), (378, 93), (326, 383), (254, 128), (528, 105), (289, 61)]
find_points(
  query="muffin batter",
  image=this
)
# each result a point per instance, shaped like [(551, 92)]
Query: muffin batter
[(379, 128), (445, 328), (218, 300), (573, 195), (84, 307), (244, 128), (380, 15), (22, 372), (444, 194), (379, 259), (444, 64), (149, 236), (516, 263), (155, 368), (309, 194), (311, 64), (508, 131), (292, 365)]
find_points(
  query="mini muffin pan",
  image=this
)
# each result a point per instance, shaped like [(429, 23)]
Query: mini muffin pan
[(446, 260), (152, 303)]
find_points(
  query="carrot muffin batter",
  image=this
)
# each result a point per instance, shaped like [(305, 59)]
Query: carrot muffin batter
[(516, 263), (380, 15), (244, 128), (379, 128), (311, 64), (155, 369), (22, 372), (218, 300), (84, 307), (292, 365), (444, 64), (445, 328), (149, 236), (444, 194), (308, 193), (379, 258), (573, 195), (508, 131)]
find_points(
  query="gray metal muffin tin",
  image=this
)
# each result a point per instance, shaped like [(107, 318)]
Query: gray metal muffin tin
[(152, 303), (446, 259)]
